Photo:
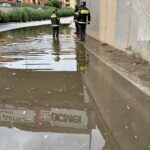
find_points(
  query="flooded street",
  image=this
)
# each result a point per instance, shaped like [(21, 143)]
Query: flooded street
[(56, 95), (44, 104)]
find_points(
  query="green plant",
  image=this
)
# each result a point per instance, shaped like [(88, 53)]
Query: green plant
[(56, 3), (23, 14), (4, 18), (65, 12), (129, 48), (104, 44)]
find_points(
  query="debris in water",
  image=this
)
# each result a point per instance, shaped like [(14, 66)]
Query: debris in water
[(56, 58), (13, 73), (135, 136), (39, 123), (46, 136), (81, 94), (128, 107), (24, 112)]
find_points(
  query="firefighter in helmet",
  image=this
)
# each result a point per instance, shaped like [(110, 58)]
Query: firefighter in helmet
[(83, 18)]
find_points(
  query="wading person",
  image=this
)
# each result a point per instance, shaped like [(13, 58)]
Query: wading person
[(75, 20), (83, 18), (55, 21)]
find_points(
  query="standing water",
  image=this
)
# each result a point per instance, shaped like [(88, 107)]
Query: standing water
[(44, 103)]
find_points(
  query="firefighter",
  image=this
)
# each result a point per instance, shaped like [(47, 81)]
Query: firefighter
[(55, 21), (75, 19), (83, 18)]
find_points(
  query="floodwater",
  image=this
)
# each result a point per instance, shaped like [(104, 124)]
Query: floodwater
[(44, 103), (57, 95)]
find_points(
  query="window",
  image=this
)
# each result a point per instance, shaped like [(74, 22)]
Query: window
[(67, 5)]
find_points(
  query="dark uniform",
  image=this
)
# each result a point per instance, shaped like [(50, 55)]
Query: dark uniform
[(55, 23), (75, 20), (83, 15)]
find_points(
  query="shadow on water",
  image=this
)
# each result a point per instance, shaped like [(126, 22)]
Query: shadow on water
[(44, 104)]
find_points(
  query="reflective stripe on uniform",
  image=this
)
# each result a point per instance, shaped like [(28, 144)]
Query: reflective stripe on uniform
[(53, 16), (85, 12), (80, 22), (55, 25), (76, 20)]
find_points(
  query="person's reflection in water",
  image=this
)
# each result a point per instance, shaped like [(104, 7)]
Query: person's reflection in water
[(82, 58), (56, 48)]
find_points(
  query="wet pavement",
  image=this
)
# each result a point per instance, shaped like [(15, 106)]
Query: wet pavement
[(11, 26), (44, 104), (55, 94)]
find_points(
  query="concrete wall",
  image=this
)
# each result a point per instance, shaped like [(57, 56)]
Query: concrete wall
[(124, 108), (122, 23), (94, 28)]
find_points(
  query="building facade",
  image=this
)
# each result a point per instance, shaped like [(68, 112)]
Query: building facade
[(8, 1), (39, 2), (68, 3)]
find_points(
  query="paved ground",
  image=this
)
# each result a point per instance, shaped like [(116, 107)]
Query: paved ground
[(10, 26)]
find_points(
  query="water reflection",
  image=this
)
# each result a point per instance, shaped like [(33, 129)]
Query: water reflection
[(56, 125), (56, 47), (38, 127), (38, 51), (82, 58), (47, 110)]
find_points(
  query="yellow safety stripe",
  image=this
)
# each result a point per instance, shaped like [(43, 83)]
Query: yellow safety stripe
[(85, 12), (53, 16), (82, 22), (55, 25)]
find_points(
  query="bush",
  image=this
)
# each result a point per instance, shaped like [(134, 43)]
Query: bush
[(34, 6), (24, 14), (4, 17), (56, 3), (15, 15), (65, 12)]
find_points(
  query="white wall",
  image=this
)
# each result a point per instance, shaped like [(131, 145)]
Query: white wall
[(122, 23)]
